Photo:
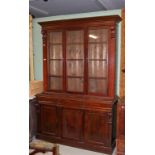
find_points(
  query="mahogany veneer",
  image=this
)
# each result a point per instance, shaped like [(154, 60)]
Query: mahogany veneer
[(77, 120), (78, 106)]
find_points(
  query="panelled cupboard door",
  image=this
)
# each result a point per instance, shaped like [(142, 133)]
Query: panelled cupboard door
[(49, 120), (72, 124), (97, 128)]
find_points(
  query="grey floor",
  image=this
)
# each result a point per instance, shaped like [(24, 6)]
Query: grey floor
[(66, 150)]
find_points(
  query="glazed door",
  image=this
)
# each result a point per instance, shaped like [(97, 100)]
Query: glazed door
[(55, 66), (49, 120), (78, 61), (98, 61), (98, 128), (75, 60)]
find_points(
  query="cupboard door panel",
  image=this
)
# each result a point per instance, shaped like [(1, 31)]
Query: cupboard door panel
[(75, 51), (56, 83), (56, 67), (97, 86), (97, 51), (98, 35), (72, 124), (75, 68), (75, 36), (49, 120), (97, 69), (75, 84), (56, 52), (55, 37), (97, 128)]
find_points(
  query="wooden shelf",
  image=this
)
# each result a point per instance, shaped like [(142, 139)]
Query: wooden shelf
[(97, 59), (75, 59), (74, 76), (55, 76), (97, 77), (55, 44), (104, 42), (56, 59), (74, 43)]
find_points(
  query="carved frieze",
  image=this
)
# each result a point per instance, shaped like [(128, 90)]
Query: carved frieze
[(113, 31), (109, 117), (44, 37)]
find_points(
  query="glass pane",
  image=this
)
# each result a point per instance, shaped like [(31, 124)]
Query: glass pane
[(97, 69), (75, 36), (75, 51), (56, 37), (55, 67), (97, 51), (98, 35), (56, 83), (56, 52), (98, 86), (75, 84), (75, 68)]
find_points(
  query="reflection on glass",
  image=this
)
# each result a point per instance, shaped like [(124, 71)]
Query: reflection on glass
[(55, 83), (97, 51), (56, 37), (97, 69), (75, 68), (56, 52), (98, 86), (75, 51), (75, 84), (75, 36), (55, 67), (98, 35)]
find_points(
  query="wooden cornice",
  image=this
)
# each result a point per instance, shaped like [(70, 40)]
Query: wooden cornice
[(107, 20)]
